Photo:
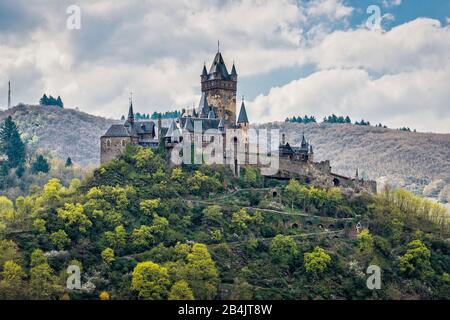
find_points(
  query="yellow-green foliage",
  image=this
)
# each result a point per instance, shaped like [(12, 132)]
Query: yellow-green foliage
[(150, 281), (316, 261)]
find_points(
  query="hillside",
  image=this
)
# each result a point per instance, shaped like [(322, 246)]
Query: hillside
[(65, 132), (415, 161), (201, 233), (405, 159)]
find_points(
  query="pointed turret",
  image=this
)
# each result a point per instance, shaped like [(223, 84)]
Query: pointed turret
[(173, 131), (203, 107), (304, 143), (221, 126), (242, 114), (204, 72), (311, 150), (211, 114), (218, 70), (233, 70), (189, 124), (130, 118)]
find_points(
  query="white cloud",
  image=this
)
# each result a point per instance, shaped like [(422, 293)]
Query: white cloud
[(332, 9), (421, 43), (418, 99), (157, 48), (391, 3)]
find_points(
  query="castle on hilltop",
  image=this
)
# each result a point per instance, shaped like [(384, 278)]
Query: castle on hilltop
[(214, 121)]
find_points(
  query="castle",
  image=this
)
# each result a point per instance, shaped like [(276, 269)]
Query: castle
[(214, 121)]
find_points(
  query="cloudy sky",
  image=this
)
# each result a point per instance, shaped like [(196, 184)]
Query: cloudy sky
[(293, 57)]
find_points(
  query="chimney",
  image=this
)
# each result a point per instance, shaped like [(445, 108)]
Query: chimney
[(283, 139), (9, 94)]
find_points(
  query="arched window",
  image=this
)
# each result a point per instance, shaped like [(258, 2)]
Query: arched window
[(124, 142), (108, 143)]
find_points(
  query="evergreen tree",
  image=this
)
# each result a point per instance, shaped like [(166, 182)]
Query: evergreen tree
[(44, 100), (40, 165), (59, 102), (11, 144), (69, 162)]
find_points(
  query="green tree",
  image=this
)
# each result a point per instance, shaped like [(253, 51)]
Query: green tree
[(292, 193), (201, 273), (283, 248), (149, 207), (416, 260), (73, 216), (212, 215), (316, 261), (69, 162), (43, 283), (150, 281), (117, 238), (11, 281), (108, 256), (9, 251), (60, 239), (40, 165), (365, 242), (11, 144), (240, 220), (142, 237), (181, 291)]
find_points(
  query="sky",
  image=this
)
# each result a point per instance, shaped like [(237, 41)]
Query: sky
[(293, 57)]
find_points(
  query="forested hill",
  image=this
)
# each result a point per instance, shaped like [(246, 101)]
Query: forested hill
[(65, 132), (406, 159), (416, 161), (138, 229)]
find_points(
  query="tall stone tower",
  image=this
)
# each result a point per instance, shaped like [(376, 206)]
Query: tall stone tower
[(219, 88)]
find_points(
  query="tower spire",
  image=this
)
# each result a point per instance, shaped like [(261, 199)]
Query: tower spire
[(9, 94), (130, 111), (218, 45)]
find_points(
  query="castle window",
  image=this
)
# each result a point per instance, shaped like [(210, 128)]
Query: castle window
[(108, 143), (211, 139), (124, 143)]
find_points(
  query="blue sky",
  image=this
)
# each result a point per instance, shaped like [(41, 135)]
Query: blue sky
[(293, 57)]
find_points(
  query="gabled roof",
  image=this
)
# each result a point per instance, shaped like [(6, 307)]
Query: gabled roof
[(242, 114), (117, 130), (145, 127), (174, 130)]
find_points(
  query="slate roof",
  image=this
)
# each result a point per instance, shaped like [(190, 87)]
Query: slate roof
[(203, 106), (218, 70), (242, 114), (206, 123), (117, 130)]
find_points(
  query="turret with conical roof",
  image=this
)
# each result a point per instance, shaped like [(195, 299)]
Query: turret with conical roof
[(242, 119)]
